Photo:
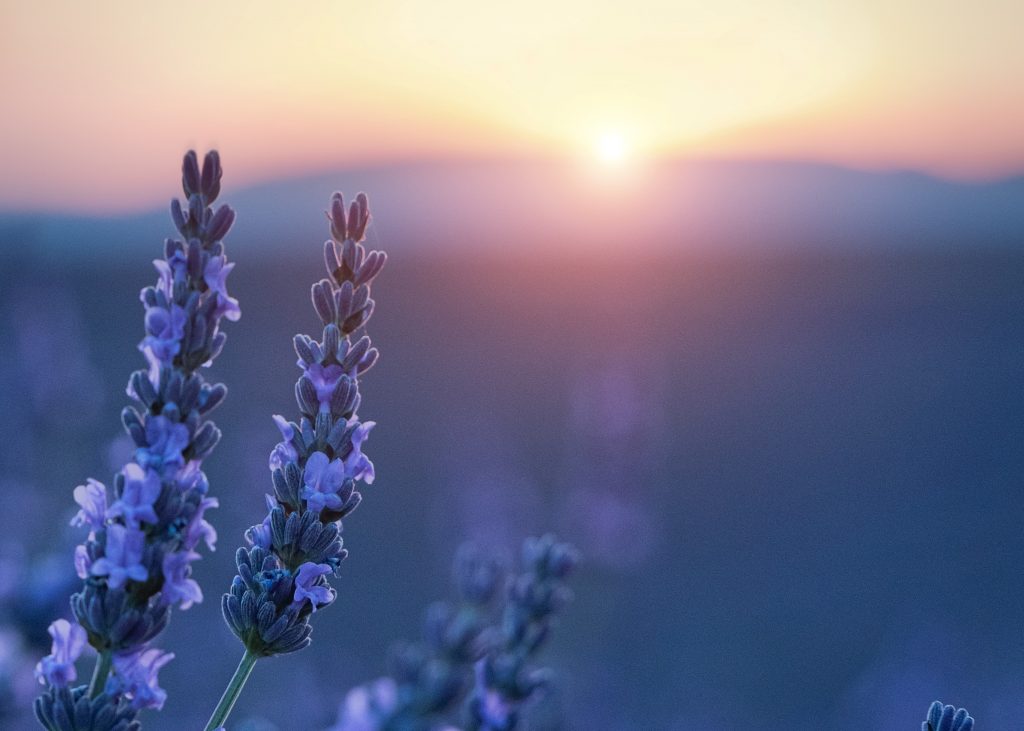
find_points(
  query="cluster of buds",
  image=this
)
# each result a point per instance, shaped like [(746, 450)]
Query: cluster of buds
[(430, 678), (505, 682), (144, 533), (947, 718), (467, 657), (282, 574)]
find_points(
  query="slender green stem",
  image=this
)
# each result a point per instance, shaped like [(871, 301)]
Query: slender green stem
[(100, 673), (231, 693)]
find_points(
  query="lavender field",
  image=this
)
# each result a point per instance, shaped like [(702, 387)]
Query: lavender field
[(794, 476)]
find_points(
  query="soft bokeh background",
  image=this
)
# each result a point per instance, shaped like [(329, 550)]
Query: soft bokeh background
[(728, 295)]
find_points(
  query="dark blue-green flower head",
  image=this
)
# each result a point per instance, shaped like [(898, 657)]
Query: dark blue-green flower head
[(947, 718)]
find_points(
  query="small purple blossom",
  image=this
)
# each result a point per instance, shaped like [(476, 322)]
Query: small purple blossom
[(357, 465), (123, 557), (166, 440), (366, 706), (306, 586), (83, 564), (325, 379), (58, 668), (215, 276), (260, 535), (141, 489), (92, 498), (199, 529), (178, 586), (165, 329), (493, 709), (135, 675), (173, 269), (322, 479), (191, 477), (284, 452)]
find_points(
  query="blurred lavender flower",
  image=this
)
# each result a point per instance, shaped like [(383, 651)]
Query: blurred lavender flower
[(430, 678), (282, 576), (135, 677), (464, 654), (504, 682), (947, 718), (136, 560)]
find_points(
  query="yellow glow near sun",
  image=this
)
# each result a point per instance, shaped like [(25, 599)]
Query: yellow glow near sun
[(611, 148)]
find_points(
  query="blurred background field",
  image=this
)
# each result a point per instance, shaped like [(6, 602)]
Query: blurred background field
[(794, 471)]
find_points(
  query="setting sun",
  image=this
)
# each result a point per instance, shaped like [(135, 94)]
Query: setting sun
[(611, 148)]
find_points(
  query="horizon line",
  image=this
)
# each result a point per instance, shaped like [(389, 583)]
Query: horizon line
[(421, 161)]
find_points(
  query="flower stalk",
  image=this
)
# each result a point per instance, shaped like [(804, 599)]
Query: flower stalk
[(231, 693), (104, 661)]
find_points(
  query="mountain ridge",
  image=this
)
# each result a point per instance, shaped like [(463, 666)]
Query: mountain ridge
[(685, 204)]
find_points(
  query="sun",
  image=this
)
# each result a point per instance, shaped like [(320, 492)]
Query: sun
[(611, 148)]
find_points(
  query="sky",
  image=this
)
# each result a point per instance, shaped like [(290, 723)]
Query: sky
[(101, 98)]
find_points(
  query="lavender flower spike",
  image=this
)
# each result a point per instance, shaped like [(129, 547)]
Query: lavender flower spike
[(135, 561), (282, 574), (431, 677), (504, 682)]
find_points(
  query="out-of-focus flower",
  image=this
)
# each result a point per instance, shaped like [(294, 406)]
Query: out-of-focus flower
[(430, 678), (504, 682), (135, 676), (179, 587)]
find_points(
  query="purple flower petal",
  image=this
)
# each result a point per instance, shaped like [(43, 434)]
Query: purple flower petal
[(92, 497), (58, 668)]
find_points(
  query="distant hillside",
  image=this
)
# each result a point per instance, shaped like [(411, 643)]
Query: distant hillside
[(763, 205)]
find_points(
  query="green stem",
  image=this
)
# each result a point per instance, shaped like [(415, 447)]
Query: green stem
[(99, 674), (231, 693)]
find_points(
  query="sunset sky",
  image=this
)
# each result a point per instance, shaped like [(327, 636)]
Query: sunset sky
[(100, 98)]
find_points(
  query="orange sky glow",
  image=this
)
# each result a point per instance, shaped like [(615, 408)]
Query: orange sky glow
[(101, 98)]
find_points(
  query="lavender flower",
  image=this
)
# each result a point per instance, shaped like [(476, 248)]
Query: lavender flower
[(136, 677), (75, 709), (140, 491), (504, 682), (58, 668), (947, 718), (282, 576), (430, 678), (92, 498), (135, 562), (122, 559), (368, 707), (322, 479), (307, 586), (179, 587)]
